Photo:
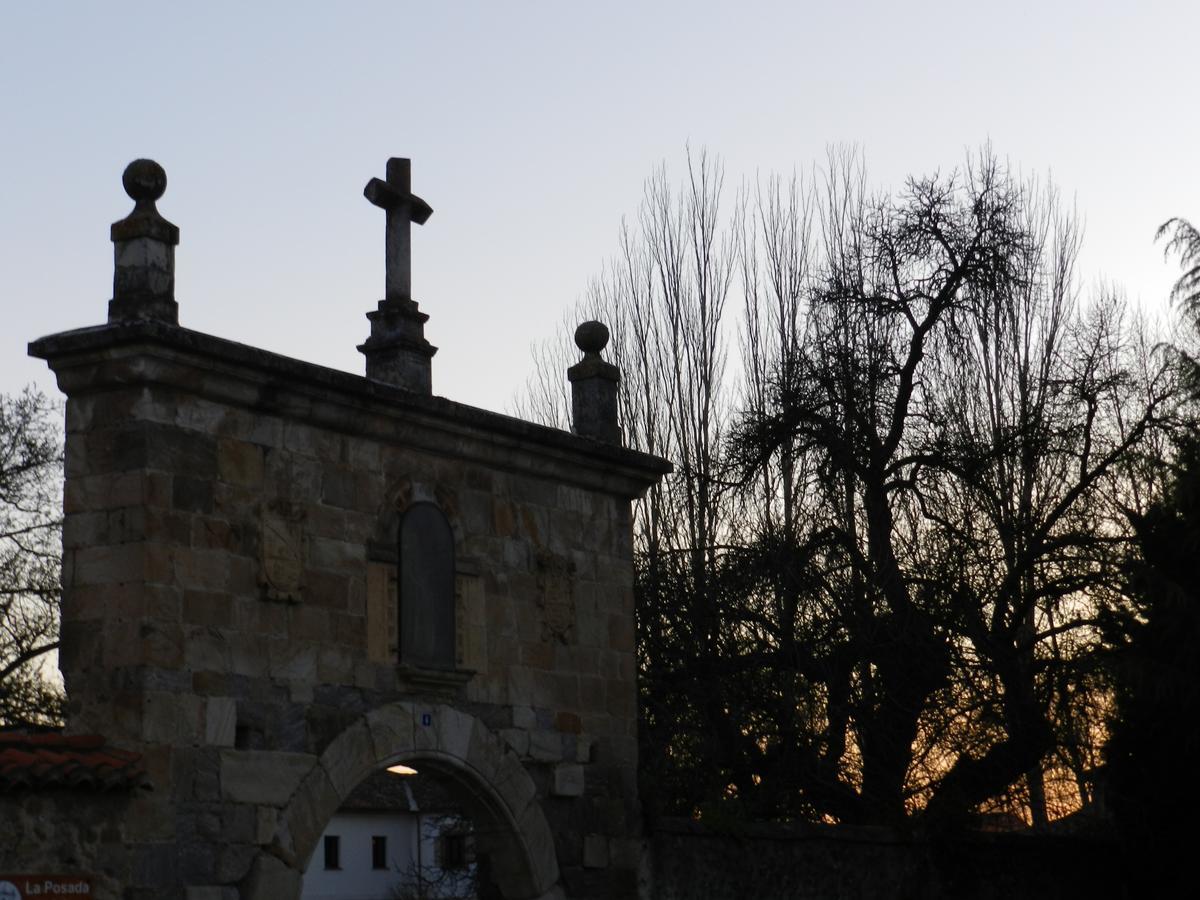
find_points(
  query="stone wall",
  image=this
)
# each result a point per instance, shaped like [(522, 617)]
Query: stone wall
[(229, 595), (775, 862), (68, 831)]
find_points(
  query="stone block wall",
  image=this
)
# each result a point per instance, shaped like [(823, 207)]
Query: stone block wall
[(66, 831), (244, 552), (229, 591), (813, 862)]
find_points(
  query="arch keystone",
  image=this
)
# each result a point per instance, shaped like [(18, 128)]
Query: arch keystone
[(391, 729), (449, 733)]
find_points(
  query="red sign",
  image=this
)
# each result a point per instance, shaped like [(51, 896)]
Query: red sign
[(21, 887)]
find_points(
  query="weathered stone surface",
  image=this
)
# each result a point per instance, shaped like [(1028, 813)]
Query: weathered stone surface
[(568, 780), (266, 822), (118, 564), (391, 729), (220, 724), (595, 851), (196, 775), (539, 845), (240, 463), (583, 748), (270, 879), (172, 719), (349, 758), (262, 777), (453, 731), (293, 662), (150, 819), (517, 739), (305, 818), (512, 783), (546, 746), (524, 717)]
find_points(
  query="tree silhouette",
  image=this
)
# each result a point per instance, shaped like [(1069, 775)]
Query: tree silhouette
[(904, 448), (1183, 239), (30, 548), (1154, 729), (1153, 780)]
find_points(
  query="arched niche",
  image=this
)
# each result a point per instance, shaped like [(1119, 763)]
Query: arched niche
[(426, 592)]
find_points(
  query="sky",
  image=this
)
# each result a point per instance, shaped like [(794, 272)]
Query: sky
[(532, 127)]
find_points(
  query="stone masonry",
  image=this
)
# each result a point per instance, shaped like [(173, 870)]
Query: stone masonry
[(230, 603)]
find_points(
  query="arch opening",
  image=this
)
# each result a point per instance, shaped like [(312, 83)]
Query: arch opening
[(429, 835), (492, 803)]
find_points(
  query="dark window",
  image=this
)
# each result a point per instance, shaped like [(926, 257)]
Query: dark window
[(333, 846), (454, 851), (426, 588), (379, 851)]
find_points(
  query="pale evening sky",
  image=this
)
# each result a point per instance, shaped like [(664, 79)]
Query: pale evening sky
[(532, 127)]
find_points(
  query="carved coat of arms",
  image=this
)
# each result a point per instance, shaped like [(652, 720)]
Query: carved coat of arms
[(281, 547)]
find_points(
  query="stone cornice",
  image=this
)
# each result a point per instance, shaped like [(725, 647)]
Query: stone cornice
[(105, 357)]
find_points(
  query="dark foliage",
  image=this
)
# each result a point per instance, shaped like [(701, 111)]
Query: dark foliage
[(1153, 639), (1153, 782)]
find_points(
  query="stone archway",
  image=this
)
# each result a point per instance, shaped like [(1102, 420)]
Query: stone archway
[(496, 788)]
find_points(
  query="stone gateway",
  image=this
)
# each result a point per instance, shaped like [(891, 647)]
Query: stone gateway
[(279, 579)]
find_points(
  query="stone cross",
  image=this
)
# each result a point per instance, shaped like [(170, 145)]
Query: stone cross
[(395, 196)]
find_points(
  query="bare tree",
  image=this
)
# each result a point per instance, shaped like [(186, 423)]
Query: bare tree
[(869, 591), (30, 554), (667, 295), (1044, 409)]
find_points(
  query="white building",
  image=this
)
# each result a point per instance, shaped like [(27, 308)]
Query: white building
[(369, 850)]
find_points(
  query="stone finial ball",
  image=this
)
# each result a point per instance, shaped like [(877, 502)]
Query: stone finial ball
[(591, 337), (144, 179)]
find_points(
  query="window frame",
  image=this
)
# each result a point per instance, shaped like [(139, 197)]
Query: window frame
[(458, 858)]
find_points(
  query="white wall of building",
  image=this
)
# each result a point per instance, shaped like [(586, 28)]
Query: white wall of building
[(356, 879)]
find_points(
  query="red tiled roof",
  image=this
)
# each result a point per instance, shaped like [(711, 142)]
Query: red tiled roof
[(80, 761)]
